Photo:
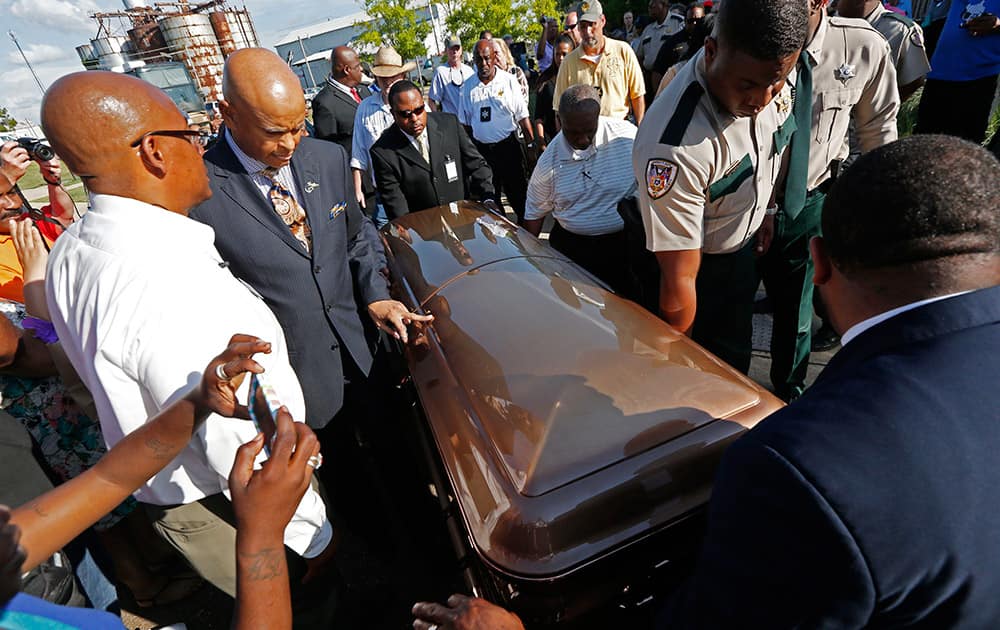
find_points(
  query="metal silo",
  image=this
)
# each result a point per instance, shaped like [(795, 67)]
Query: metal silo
[(148, 41), (190, 38), (234, 30), (88, 57), (108, 50)]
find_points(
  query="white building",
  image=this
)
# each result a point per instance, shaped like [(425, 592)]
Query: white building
[(308, 49)]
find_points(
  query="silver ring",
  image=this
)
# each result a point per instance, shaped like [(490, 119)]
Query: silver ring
[(315, 461), (221, 373)]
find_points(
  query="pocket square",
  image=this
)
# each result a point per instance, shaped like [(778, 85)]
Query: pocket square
[(337, 210)]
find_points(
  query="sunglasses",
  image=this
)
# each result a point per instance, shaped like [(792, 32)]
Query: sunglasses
[(410, 113), (197, 138)]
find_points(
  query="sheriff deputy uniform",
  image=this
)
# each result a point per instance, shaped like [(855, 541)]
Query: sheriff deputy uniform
[(853, 79), (705, 179), (906, 44)]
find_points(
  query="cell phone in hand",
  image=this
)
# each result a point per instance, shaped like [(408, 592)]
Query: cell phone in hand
[(263, 405)]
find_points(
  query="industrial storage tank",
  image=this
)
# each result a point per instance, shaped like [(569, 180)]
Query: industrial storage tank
[(110, 55), (148, 41), (190, 38), (234, 30), (88, 57)]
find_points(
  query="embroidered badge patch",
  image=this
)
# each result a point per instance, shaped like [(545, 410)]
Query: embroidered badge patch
[(660, 176), (311, 186), (337, 210)]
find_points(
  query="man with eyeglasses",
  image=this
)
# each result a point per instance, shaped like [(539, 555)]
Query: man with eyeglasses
[(682, 45), (446, 87), (425, 160), (141, 300)]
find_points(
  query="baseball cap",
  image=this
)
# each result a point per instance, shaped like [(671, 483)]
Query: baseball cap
[(452, 41), (589, 11)]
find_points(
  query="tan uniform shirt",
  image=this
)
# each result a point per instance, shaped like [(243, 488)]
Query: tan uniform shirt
[(705, 177), (653, 36), (853, 78), (616, 75), (906, 43)]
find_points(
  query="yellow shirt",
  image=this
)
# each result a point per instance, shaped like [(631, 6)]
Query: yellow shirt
[(11, 275), (617, 76)]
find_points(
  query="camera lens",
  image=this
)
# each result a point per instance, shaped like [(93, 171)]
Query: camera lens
[(43, 152)]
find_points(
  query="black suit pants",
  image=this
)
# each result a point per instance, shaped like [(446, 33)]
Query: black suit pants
[(506, 160)]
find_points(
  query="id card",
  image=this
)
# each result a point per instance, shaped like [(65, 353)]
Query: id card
[(451, 169)]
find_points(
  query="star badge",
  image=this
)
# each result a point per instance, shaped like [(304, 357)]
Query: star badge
[(844, 73), (783, 103)]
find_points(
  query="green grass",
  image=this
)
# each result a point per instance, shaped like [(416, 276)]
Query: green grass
[(906, 120), (33, 178), (79, 194)]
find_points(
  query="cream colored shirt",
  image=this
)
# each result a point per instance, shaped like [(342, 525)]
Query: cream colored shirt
[(616, 75), (906, 43), (853, 78), (705, 177), (653, 36)]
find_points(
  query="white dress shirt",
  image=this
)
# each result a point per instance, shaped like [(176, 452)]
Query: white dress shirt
[(864, 325), (142, 302), (582, 188)]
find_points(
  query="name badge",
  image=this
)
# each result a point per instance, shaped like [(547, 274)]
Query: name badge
[(451, 169), (485, 114)]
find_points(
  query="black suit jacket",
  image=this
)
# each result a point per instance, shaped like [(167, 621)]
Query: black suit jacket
[(406, 183), (333, 115), (872, 501), (311, 293)]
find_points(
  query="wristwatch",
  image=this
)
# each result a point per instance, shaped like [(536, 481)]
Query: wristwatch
[(771, 210)]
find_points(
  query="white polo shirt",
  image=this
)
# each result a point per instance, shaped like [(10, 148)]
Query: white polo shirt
[(582, 188), (492, 109), (142, 302)]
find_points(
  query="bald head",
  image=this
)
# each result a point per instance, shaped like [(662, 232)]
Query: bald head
[(259, 77), (118, 109), (163, 169), (264, 107), (345, 66)]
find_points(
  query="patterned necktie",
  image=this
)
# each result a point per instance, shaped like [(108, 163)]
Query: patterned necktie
[(287, 208), (425, 150), (354, 93), (798, 157)]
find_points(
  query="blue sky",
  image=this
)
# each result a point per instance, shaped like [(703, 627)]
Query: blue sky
[(50, 30)]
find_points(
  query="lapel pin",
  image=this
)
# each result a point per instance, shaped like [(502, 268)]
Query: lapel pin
[(311, 186), (337, 209)]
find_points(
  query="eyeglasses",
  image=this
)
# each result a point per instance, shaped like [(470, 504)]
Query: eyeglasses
[(694, 20), (197, 138), (410, 113)]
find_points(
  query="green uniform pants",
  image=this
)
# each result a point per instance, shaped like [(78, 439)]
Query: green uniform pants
[(723, 322), (787, 271)]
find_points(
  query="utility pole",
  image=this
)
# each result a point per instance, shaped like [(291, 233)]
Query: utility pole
[(26, 62), (306, 59)]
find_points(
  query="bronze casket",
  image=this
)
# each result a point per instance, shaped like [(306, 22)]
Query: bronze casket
[(577, 433)]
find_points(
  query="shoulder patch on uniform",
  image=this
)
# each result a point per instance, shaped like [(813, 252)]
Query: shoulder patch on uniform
[(898, 16), (660, 177), (673, 133), (917, 37)]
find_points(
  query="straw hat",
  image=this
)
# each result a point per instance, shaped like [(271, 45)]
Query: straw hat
[(388, 63)]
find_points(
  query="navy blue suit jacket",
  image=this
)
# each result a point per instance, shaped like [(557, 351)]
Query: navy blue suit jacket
[(317, 296), (873, 500)]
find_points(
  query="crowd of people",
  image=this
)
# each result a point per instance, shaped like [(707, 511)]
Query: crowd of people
[(683, 159)]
